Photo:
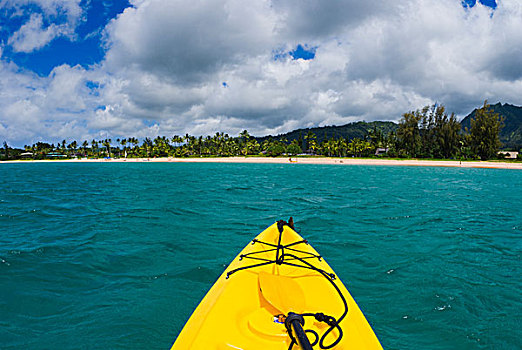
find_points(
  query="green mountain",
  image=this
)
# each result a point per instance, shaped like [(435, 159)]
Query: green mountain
[(350, 131), (511, 133)]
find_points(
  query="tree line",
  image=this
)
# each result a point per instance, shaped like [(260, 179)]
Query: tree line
[(426, 133), (431, 133)]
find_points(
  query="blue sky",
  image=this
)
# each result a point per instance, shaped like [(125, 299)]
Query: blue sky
[(88, 69), (84, 47), (490, 3)]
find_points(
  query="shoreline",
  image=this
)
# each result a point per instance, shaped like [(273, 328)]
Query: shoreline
[(295, 160)]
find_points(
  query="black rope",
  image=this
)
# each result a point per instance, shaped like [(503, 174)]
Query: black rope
[(331, 321), (280, 227), (279, 249), (279, 261), (287, 246), (320, 317)]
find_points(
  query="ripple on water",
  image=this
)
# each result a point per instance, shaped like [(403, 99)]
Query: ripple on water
[(126, 251)]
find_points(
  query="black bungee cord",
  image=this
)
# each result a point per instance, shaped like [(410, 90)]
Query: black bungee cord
[(331, 321), (321, 317)]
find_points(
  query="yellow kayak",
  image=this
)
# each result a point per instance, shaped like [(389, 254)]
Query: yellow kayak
[(278, 293)]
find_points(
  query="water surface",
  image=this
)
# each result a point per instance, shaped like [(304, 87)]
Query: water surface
[(117, 255)]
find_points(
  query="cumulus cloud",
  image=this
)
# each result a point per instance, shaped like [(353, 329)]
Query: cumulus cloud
[(377, 60), (51, 8), (317, 19), (41, 108), (176, 66), (185, 41), (33, 36), (55, 18)]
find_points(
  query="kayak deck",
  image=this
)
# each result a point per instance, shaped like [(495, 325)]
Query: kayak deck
[(271, 277)]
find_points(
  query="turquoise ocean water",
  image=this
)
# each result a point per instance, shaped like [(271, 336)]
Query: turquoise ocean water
[(117, 255)]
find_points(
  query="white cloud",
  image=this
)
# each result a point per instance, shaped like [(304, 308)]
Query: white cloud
[(33, 36), (66, 89), (51, 8), (185, 41), (43, 108), (167, 60), (379, 60)]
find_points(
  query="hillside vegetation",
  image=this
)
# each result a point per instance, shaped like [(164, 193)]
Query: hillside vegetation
[(429, 132), (511, 133)]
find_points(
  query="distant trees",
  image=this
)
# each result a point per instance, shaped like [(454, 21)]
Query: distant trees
[(431, 133), (85, 144), (408, 134), (447, 131), (107, 144), (294, 148), (273, 147), (484, 132), (310, 141), (426, 133), (6, 150)]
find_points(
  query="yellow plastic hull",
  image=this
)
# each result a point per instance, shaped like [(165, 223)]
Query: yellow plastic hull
[(237, 314)]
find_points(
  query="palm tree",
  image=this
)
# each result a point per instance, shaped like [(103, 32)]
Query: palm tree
[(147, 146), (73, 145), (356, 146), (209, 146), (312, 145), (84, 147), (309, 138), (265, 145), (156, 146), (176, 139), (134, 142), (124, 144), (253, 146), (244, 136), (94, 144), (118, 141), (6, 148), (200, 144), (107, 145), (165, 146), (189, 143), (28, 148), (342, 147)]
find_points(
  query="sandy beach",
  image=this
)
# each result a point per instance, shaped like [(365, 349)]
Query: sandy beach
[(299, 160)]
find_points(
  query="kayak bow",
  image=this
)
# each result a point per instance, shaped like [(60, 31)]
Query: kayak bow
[(278, 293)]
